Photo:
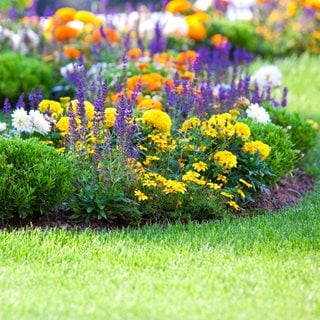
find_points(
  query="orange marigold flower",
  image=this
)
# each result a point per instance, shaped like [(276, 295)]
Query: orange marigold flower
[(197, 30), (219, 41), (178, 6), (65, 33), (134, 53), (71, 53), (186, 57)]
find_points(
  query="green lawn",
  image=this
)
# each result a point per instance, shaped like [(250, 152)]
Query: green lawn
[(267, 267)]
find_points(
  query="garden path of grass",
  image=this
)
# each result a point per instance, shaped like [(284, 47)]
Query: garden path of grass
[(266, 267)]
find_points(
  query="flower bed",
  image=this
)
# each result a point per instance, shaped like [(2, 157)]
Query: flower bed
[(156, 135)]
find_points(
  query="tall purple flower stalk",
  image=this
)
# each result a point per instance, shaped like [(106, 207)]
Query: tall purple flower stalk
[(7, 107)]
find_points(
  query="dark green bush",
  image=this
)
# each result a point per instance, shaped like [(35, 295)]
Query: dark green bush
[(34, 178), (21, 74), (283, 156), (301, 133)]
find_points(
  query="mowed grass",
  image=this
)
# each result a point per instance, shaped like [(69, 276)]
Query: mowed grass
[(266, 267)]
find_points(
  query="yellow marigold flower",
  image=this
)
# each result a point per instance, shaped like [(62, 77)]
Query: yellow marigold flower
[(148, 104), (200, 182), (85, 16), (213, 186), (149, 183), (200, 166), (234, 205), (61, 150), (142, 148), (50, 105), (110, 117), (141, 196), (226, 159), (173, 186), (222, 178), (160, 178), (227, 195), (247, 184), (65, 14), (189, 124), (257, 146), (190, 176), (158, 120), (211, 133), (314, 124), (242, 130), (242, 194), (149, 159), (63, 124), (88, 106)]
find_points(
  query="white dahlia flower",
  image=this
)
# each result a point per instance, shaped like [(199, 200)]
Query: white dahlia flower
[(21, 120), (267, 76), (257, 113)]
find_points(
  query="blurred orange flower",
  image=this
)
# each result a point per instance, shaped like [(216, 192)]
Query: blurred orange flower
[(65, 14), (64, 33), (219, 41), (71, 53), (178, 6)]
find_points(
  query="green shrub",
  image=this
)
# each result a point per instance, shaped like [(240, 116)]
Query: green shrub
[(21, 74), (301, 133), (105, 192), (283, 156), (34, 178)]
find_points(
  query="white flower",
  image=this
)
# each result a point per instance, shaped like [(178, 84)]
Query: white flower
[(38, 122), (203, 5), (257, 113), (3, 126), (76, 24), (175, 25), (240, 9), (21, 120), (267, 76)]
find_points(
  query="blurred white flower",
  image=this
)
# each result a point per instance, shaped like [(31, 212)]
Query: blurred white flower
[(203, 5), (3, 126), (175, 25), (267, 76), (257, 113), (38, 122), (240, 9), (98, 68), (76, 24), (68, 70), (21, 120)]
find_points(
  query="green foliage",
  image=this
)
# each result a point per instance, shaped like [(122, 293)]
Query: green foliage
[(8, 4), (105, 191), (283, 156), (21, 74), (241, 34), (301, 133), (34, 178)]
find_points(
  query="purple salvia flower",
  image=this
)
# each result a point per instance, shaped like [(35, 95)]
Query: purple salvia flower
[(7, 107), (33, 99), (284, 97), (255, 94), (20, 104)]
